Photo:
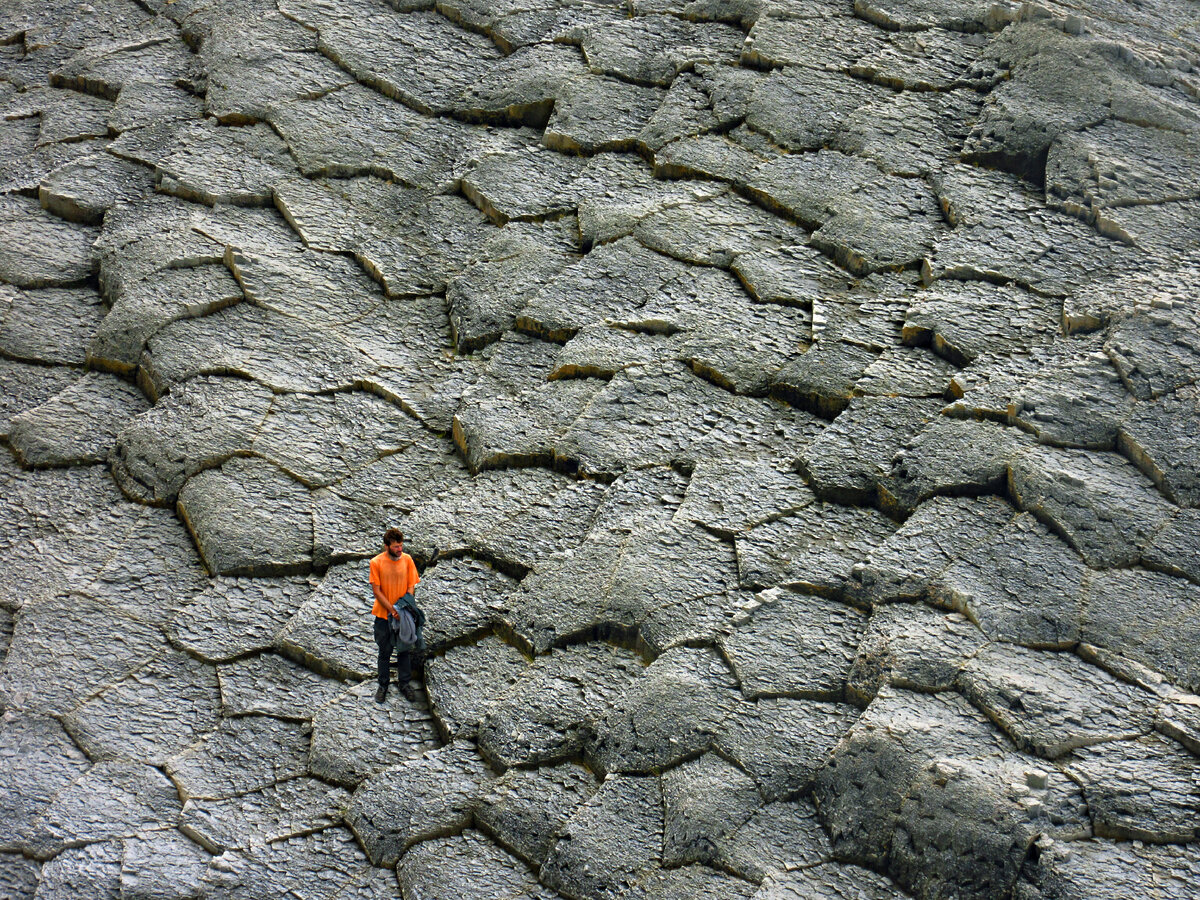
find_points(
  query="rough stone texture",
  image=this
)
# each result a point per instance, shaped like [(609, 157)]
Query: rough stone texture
[(1160, 438), (466, 865), (288, 809), (525, 808), (703, 800), (242, 755), (1107, 870), (779, 837)]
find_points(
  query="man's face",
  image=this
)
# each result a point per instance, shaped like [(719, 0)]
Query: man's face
[(395, 548)]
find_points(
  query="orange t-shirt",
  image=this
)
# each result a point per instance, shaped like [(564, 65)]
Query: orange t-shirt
[(395, 578)]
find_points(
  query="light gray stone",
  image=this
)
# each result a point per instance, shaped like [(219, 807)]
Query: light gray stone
[(242, 755), (525, 808)]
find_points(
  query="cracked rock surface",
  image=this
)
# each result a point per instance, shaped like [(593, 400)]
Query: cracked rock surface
[(791, 406)]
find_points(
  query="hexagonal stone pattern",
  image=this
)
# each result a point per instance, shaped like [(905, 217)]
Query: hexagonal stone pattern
[(790, 407)]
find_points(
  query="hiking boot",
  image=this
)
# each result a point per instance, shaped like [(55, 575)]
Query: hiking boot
[(381, 694), (410, 693)]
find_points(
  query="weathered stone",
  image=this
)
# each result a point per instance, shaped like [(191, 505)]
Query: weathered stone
[(162, 864), (814, 549), (93, 870), (831, 881), (794, 645), (1171, 549), (832, 42), (353, 737), (524, 809), (270, 686), (25, 386), (1154, 348), (323, 865), (417, 800), (925, 14), (849, 459), (906, 372), (823, 378), (548, 713), (593, 114), (687, 882), (1098, 502), (466, 681), (1159, 437), (156, 712), (40, 760), (1020, 584), (1145, 790), (913, 647), (225, 165), (655, 49), (1105, 870), (467, 865), (601, 351), (952, 456), (703, 800), (779, 837), (685, 112), (615, 835), (331, 630), (83, 190), (672, 712), (38, 676), (462, 599), (50, 326), (1051, 704), (1144, 616), (782, 742), (729, 497), (287, 809), (78, 426), (242, 755), (233, 617), (249, 518), (39, 250), (933, 60), (19, 876), (526, 185)]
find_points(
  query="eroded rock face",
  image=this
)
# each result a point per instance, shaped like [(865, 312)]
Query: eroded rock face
[(791, 408)]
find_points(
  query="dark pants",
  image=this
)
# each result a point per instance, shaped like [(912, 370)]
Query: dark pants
[(386, 644)]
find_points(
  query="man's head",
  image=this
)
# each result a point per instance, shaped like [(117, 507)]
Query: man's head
[(393, 541)]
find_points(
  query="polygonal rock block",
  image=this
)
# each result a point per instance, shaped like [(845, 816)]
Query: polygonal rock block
[(269, 685), (831, 881), (330, 857), (782, 742), (1107, 870), (78, 426), (466, 865), (615, 836), (163, 863), (331, 632), (525, 808), (92, 868), (465, 682), (779, 837), (40, 760), (703, 800), (353, 737), (1161, 437), (416, 800), (232, 617), (290, 808), (794, 645), (40, 250), (50, 326), (242, 755), (249, 518)]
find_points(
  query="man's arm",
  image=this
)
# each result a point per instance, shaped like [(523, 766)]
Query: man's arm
[(383, 601)]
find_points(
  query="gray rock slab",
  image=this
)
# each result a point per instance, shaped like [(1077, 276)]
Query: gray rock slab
[(1144, 616), (850, 458), (1108, 870), (353, 736), (234, 617), (593, 114), (655, 49), (906, 372), (226, 165), (615, 836), (1053, 703), (601, 351), (154, 713), (1152, 350), (464, 682), (934, 60), (243, 755), (693, 881), (50, 326), (40, 760), (911, 646), (249, 518), (685, 111), (703, 800), (822, 379), (113, 799), (782, 742), (952, 456), (521, 87), (1159, 437), (162, 863), (1171, 549), (83, 189), (20, 876), (331, 630), (672, 712), (962, 319), (288, 809), (1179, 719), (940, 532), (1100, 504), (24, 386), (1143, 790), (794, 645), (462, 599), (323, 865), (731, 496), (831, 881), (269, 685), (919, 753), (466, 865), (525, 185), (1021, 584), (524, 809), (93, 870), (548, 713), (40, 250), (417, 800), (37, 676), (79, 425), (780, 837), (815, 549)]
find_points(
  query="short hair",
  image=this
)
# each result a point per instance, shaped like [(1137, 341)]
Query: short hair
[(392, 536)]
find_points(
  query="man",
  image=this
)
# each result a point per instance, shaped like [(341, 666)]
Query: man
[(393, 576)]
